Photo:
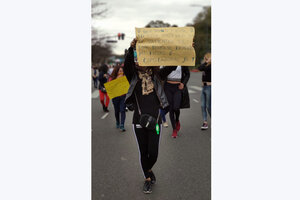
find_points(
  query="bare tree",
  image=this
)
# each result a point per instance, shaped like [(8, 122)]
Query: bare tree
[(100, 50), (98, 9)]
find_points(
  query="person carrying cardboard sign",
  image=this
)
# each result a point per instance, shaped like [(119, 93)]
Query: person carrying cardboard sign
[(146, 96)]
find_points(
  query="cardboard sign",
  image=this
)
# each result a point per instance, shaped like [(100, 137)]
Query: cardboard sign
[(117, 87), (165, 46)]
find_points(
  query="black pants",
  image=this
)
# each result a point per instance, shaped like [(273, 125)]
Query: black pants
[(174, 98), (95, 80), (119, 106), (148, 142)]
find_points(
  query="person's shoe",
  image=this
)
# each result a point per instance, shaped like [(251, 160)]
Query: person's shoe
[(152, 176), (147, 187), (178, 126), (105, 109), (103, 106), (174, 135), (122, 128), (165, 124), (204, 126), (117, 125)]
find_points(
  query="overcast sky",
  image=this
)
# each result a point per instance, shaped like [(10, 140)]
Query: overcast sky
[(124, 16)]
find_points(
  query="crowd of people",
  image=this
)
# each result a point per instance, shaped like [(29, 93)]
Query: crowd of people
[(153, 93)]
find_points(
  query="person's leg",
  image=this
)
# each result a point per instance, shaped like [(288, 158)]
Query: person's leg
[(204, 108), (203, 104), (169, 90), (116, 103), (162, 115), (169, 93), (172, 118), (208, 100), (176, 106), (142, 140), (153, 146), (101, 96), (123, 112), (177, 114), (106, 100), (95, 82)]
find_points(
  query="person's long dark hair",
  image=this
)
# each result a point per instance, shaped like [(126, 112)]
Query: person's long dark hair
[(115, 72), (103, 68)]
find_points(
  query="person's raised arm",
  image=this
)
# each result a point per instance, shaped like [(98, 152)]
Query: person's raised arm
[(129, 65)]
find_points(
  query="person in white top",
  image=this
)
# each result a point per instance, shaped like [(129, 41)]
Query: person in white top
[(177, 95)]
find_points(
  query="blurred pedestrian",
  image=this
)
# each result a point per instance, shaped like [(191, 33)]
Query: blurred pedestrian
[(110, 69), (145, 96), (177, 94), (119, 102), (163, 112), (95, 75), (205, 68), (103, 78)]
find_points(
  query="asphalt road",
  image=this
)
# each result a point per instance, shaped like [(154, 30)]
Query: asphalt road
[(183, 168)]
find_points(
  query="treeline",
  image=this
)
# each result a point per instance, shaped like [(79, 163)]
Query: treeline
[(202, 25)]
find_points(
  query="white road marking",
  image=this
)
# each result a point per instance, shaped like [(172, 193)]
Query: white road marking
[(192, 91), (196, 87), (95, 94), (196, 100), (105, 115)]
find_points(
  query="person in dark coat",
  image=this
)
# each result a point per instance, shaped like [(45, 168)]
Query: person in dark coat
[(177, 94)]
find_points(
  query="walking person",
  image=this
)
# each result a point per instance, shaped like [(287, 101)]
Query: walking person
[(95, 75), (145, 96), (177, 94), (205, 68), (103, 78), (119, 102)]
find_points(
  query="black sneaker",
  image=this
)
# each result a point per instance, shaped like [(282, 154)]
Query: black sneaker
[(105, 109), (147, 187), (153, 179)]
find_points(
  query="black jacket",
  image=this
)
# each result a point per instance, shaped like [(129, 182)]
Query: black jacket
[(131, 74), (185, 100), (206, 72), (102, 80)]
